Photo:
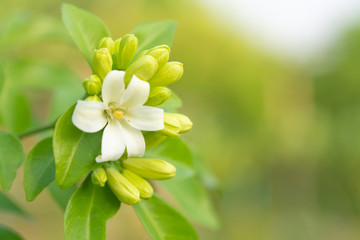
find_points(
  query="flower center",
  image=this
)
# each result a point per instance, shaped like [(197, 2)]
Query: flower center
[(118, 114)]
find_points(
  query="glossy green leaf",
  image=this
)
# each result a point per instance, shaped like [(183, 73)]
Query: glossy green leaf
[(176, 152), (194, 200), (8, 205), (74, 150), (152, 34), (39, 168), (11, 157), (85, 28), (88, 210), (61, 196), (8, 234), (162, 221)]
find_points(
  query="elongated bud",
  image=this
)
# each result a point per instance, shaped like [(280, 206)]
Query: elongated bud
[(102, 62), (94, 98), (144, 187), (158, 95), (160, 53), (185, 122), (126, 50), (169, 73), (144, 68), (152, 139), (172, 126), (92, 85), (108, 43), (99, 177), (124, 190), (150, 168)]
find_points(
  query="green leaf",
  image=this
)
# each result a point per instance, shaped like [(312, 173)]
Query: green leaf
[(173, 104), (60, 196), (194, 200), (88, 210), (152, 34), (39, 168), (162, 221), (2, 76), (8, 205), (176, 152), (74, 150), (8, 234), (85, 28), (11, 157)]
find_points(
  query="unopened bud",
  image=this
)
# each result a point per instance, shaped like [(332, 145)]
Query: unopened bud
[(150, 168), (125, 50), (169, 73), (144, 187), (124, 190), (108, 43), (92, 85), (99, 177), (102, 62), (185, 122), (144, 68), (94, 98), (158, 95), (152, 139), (160, 53), (172, 126)]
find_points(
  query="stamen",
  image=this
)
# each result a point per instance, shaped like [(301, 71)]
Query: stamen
[(118, 114)]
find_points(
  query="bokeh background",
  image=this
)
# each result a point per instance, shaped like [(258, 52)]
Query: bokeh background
[(276, 108)]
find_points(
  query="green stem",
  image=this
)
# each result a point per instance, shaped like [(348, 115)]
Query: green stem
[(37, 130)]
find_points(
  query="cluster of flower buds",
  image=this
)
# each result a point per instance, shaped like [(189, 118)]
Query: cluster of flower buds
[(127, 178)]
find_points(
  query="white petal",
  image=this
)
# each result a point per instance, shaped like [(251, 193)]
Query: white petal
[(145, 118), (89, 116), (134, 140), (113, 144), (113, 87), (136, 94)]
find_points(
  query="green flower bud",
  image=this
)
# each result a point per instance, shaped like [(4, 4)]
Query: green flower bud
[(144, 187), (185, 122), (126, 50), (172, 126), (150, 168), (124, 190), (158, 95), (108, 43), (144, 68), (161, 54), (102, 62), (169, 73), (94, 98), (92, 85), (152, 139), (99, 177)]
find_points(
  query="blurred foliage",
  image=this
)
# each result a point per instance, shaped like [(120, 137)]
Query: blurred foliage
[(282, 138)]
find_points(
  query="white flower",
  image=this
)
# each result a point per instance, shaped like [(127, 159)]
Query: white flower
[(123, 112)]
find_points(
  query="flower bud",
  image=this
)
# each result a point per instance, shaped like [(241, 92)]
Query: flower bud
[(158, 95), (161, 54), (99, 177), (172, 126), (169, 73), (102, 62), (150, 168), (144, 68), (185, 122), (125, 50), (124, 190), (92, 85), (144, 187), (152, 139), (94, 98), (108, 43)]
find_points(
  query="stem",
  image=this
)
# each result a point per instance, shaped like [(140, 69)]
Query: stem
[(37, 130)]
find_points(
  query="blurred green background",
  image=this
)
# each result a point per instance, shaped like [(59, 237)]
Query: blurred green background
[(281, 137)]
